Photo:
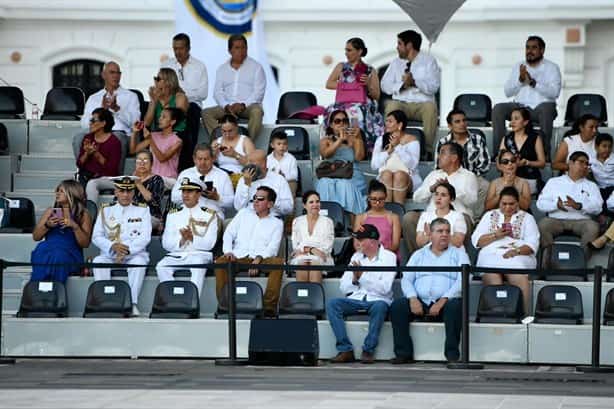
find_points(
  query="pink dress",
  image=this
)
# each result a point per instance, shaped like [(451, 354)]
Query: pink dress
[(384, 227), (166, 169)]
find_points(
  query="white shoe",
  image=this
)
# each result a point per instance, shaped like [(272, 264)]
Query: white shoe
[(135, 311)]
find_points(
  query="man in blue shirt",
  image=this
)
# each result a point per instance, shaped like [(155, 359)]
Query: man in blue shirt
[(432, 295)]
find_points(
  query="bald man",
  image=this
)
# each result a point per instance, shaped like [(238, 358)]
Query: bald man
[(123, 104), (256, 174)]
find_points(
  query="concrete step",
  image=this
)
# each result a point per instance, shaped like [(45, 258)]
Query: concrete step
[(53, 162), (52, 136), (39, 180)]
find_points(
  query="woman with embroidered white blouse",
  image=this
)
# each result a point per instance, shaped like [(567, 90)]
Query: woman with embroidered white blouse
[(396, 155), (507, 238), (312, 239)]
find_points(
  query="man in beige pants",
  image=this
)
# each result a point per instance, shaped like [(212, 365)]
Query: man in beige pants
[(239, 89), (413, 79)]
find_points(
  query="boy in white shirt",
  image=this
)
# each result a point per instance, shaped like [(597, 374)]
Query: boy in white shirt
[(281, 161)]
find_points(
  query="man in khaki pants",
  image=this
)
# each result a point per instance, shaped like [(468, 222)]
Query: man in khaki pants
[(239, 89), (413, 79)]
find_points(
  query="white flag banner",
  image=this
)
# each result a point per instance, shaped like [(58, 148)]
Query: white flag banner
[(209, 23)]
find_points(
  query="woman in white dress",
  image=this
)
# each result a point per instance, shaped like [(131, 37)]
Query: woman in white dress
[(507, 238), (444, 195), (312, 239), (396, 155), (581, 137)]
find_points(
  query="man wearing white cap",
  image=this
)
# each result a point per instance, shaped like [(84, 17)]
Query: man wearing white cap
[(122, 233), (189, 236)]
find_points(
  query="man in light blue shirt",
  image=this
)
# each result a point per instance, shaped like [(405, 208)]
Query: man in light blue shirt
[(432, 295)]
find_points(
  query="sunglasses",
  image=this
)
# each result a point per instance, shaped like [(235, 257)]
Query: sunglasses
[(338, 121), (157, 78), (181, 74), (258, 198), (507, 161)]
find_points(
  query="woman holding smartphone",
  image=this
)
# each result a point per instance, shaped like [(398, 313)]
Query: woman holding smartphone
[(358, 91), (507, 238), (66, 229)]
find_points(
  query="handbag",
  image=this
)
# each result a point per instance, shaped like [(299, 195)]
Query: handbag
[(350, 92), (338, 169)]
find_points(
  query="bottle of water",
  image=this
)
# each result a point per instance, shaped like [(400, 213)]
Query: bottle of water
[(35, 111)]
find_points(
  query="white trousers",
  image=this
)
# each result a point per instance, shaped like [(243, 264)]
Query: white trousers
[(165, 273), (136, 275)]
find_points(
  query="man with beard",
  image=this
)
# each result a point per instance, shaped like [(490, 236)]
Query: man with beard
[(534, 84)]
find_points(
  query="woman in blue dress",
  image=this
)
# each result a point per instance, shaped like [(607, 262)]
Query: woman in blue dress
[(357, 75), (66, 229), (343, 143)]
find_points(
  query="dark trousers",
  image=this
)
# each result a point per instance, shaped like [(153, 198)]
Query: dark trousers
[(189, 137), (401, 316)]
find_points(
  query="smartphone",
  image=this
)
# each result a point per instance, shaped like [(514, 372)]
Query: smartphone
[(385, 140), (507, 226), (57, 213), (353, 122), (140, 125), (209, 185)]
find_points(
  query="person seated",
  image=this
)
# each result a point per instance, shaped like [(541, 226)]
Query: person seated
[(451, 171), (528, 147), (165, 145), (218, 193), (344, 144), (99, 154), (121, 102), (434, 295), (608, 235), (413, 79), (149, 188), (534, 83), (189, 235), (357, 86), (281, 161), (476, 157), (444, 195), (395, 157), (581, 137), (231, 149), (166, 93), (507, 163), (253, 236), (122, 233), (603, 165), (387, 223), (570, 201), (256, 174), (66, 229), (239, 89), (369, 291), (313, 236), (508, 237)]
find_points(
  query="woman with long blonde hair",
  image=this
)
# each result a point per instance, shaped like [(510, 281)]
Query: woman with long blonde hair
[(66, 228)]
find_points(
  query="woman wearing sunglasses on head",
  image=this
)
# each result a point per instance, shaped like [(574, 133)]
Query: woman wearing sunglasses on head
[(507, 163), (99, 155)]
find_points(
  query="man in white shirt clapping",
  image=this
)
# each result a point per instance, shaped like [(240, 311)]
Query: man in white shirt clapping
[(535, 84)]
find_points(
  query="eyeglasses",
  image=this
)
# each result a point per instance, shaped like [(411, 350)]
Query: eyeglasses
[(507, 161), (338, 121), (94, 120), (258, 198), (142, 161), (157, 78), (181, 74), (376, 200)]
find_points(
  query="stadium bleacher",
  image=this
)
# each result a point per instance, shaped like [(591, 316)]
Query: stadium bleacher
[(40, 156)]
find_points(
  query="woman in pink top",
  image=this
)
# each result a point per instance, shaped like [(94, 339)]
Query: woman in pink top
[(387, 223), (165, 145)]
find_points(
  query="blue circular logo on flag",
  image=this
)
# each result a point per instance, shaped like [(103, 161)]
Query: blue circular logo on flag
[(226, 16)]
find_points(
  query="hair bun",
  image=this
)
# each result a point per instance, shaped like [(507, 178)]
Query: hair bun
[(364, 52)]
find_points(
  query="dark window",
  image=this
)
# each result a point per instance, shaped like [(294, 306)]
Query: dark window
[(84, 74)]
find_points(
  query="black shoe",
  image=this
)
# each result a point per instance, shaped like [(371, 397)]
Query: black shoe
[(399, 360)]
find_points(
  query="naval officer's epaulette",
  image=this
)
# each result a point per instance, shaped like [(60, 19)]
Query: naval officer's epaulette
[(141, 204), (207, 210), (175, 210)]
